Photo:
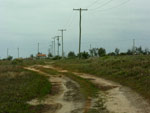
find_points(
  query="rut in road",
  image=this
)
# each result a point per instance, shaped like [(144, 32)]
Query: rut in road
[(67, 100), (119, 99)]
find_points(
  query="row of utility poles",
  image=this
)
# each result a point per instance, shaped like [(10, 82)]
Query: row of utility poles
[(62, 30), (53, 48)]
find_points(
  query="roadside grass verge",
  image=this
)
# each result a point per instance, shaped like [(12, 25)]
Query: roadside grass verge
[(131, 71), (17, 86), (47, 70), (86, 87)]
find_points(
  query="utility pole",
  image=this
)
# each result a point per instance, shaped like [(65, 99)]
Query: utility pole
[(51, 49), (7, 52), (18, 52), (133, 46), (62, 30), (38, 48), (58, 44), (80, 27), (54, 45), (90, 46)]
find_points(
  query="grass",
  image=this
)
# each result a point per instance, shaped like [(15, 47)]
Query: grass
[(131, 71), (86, 87), (17, 86), (47, 70)]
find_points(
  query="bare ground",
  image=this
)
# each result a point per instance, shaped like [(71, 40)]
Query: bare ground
[(65, 97), (119, 99)]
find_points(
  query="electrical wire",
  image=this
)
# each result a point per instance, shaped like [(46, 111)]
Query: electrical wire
[(92, 4), (117, 6), (69, 20), (102, 5)]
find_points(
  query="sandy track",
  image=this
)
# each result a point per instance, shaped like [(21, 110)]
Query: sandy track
[(65, 101), (119, 99)]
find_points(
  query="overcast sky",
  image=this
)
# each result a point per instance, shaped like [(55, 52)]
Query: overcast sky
[(107, 23)]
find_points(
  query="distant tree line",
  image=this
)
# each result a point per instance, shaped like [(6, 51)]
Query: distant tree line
[(100, 52)]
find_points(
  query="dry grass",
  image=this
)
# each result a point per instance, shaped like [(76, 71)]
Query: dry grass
[(17, 86), (131, 71)]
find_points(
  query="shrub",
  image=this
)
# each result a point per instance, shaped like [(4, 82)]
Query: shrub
[(71, 54), (101, 52), (84, 55)]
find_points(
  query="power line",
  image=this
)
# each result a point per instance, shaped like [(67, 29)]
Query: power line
[(69, 20), (92, 4), (117, 6), (103, 5), (80, 27), (125, 2)]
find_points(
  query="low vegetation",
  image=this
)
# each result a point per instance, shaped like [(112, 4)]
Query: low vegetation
[(86, 87), (17, 86), (132, 71)]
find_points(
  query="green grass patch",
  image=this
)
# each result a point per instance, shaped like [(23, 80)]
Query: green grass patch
[(48, 70), (86, 87), (17, 86), (131, 71)]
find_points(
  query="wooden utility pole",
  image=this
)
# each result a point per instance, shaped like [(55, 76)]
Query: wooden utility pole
[(54, 45), (18, 52), (80, 27), (58, 44), (38, 48), (133, 46), (62, 30), (7, 52)]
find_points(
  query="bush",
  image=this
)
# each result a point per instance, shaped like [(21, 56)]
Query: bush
[(84, 55), (56, 58), (71, 54), (17, 61), (9, 58), (101, 52)]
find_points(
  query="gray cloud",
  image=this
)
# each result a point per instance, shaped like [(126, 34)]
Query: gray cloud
[(24, 23)]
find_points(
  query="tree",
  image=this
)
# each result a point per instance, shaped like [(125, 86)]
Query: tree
[(129, 52), (111, 54), (9, 58), (146, 51), (93, 52), (139, 50), (117, 51), (50, 55), (84, 55), (71, 54), (32, 56), (101, 52)]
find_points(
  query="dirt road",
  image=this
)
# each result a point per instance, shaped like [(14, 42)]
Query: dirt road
[(119, 99), (66, 99)]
